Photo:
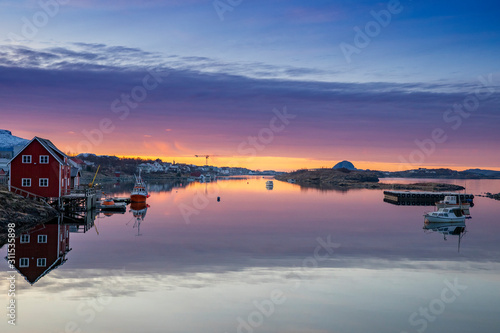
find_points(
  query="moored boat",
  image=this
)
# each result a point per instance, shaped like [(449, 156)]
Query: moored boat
[(445, 215), (450, 201), (139, 193), (108, 204)]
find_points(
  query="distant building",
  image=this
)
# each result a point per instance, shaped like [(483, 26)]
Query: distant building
[(40, 168)]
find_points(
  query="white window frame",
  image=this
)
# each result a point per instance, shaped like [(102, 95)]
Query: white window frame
[(28, 181), (27, 158), (42, 239), (63, 182), (24, 262), (41, 262), (24, 239), (43, 158), (40, 182)]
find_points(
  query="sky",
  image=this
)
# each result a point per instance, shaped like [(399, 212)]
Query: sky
[(261, 84)]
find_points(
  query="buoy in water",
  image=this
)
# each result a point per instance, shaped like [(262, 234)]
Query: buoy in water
[(218, 199)]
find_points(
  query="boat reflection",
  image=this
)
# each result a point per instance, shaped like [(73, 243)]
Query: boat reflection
[(448, 229), (138, 210)]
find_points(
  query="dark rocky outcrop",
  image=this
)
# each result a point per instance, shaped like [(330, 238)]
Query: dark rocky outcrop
[(492, 196), (25, 213), (344, 179)]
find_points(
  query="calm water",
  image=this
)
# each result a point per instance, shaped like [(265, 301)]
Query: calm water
[(281, 260)]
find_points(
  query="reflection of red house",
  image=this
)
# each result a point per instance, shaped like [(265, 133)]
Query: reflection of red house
[(41, 250), (40, 168)]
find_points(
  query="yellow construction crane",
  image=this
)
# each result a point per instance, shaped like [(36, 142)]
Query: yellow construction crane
[(206, 157), (93, 180)]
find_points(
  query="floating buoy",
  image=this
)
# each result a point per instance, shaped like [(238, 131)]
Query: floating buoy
[(218, 199)]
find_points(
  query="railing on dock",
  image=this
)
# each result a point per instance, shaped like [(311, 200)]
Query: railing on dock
[(29, 195)]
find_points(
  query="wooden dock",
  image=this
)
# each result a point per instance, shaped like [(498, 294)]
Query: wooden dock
[(79, 200), (410, 198)]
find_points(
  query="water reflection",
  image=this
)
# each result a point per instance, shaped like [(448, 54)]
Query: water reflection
[(138, 210), (449, 229), (41, 250), (233, 253)]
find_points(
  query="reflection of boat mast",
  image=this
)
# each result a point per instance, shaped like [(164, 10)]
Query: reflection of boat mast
[(139, 210), (137, 225), (456, 229), (460, 238)]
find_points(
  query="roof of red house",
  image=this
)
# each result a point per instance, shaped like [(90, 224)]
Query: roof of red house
[(2, 173), (75, 172), (77, 160), (49, 146)]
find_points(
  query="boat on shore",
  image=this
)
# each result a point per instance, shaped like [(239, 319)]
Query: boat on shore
[(445, 215), (139, 193)]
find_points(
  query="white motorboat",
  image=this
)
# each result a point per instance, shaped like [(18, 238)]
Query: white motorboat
[(445, 215), (450, 201)]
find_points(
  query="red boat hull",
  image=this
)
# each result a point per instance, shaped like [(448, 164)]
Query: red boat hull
[(137, 198)]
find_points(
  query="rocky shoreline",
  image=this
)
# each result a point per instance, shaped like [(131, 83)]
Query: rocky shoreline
[(492, 196), (344, 179), (25, 213)]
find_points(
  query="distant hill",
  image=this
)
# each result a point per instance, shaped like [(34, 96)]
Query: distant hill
[(484, 172), (443, 173), (344, 164), (9, 141)]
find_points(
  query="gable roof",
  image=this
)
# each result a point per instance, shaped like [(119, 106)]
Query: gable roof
[(77, 160), (32, 278), (49, 146), (75, 172)]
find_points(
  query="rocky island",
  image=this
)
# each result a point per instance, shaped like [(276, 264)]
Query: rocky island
[(344, 179), (492, 196)]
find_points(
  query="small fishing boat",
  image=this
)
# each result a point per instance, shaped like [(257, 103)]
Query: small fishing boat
[(450, 201), (139, 193), (445, 215), (108, 204)]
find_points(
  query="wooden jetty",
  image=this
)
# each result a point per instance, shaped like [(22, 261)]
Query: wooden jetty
[(79, 200), (411, 198)]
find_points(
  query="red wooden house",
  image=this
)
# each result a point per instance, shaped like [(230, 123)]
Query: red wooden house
[(41, 250), (40, 168)]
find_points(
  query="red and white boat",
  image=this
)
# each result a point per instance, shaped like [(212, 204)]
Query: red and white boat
[(139, 193)]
